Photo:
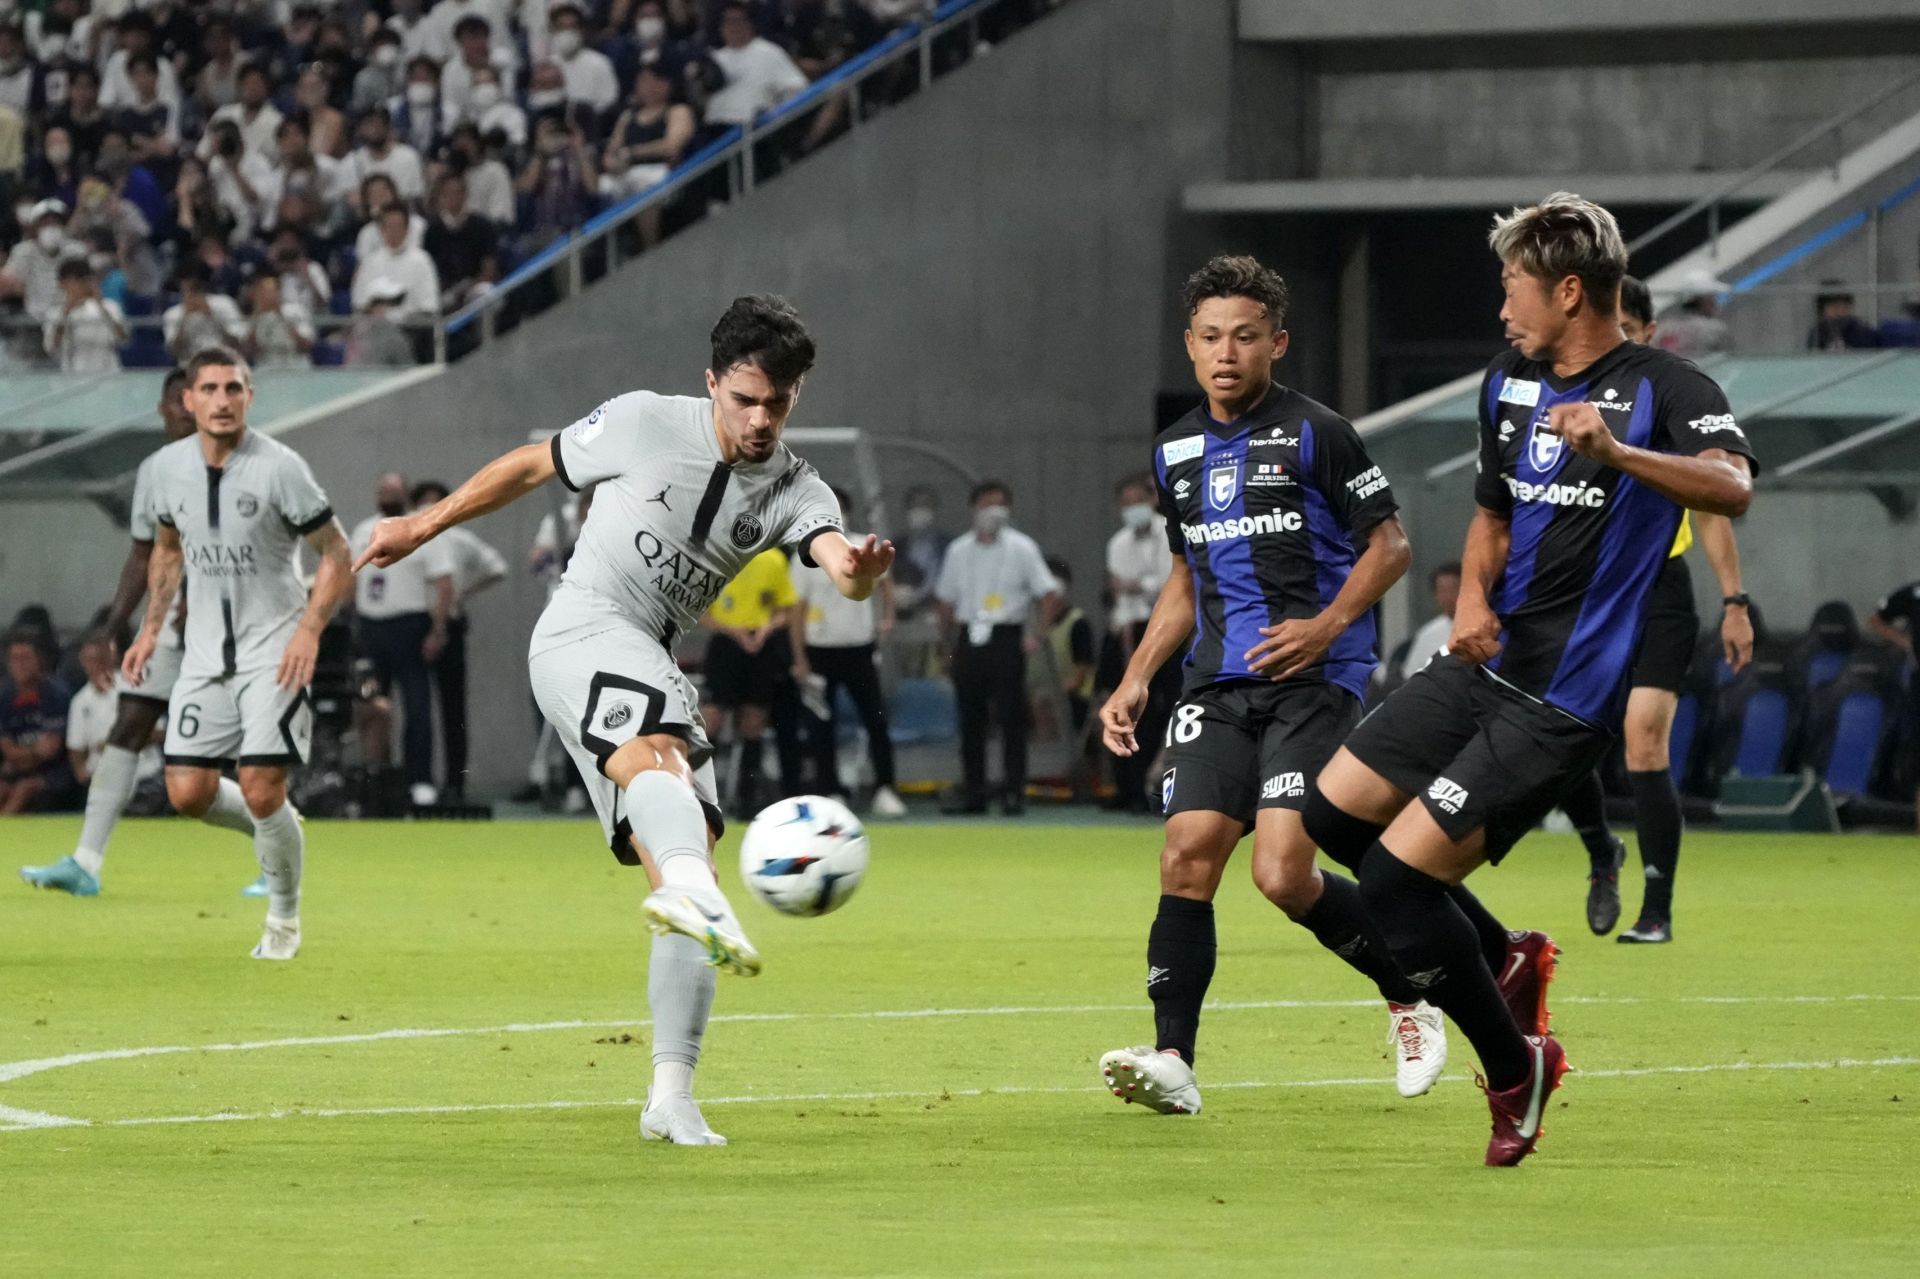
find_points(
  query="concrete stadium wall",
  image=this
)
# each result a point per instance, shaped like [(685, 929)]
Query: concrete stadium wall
[(1288, 20)]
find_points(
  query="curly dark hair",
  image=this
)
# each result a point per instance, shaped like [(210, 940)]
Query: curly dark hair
[(1237, 276), (765, 331)]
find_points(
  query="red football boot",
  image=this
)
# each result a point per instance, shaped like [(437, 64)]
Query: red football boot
[(1519, 1113), (1523, 978)]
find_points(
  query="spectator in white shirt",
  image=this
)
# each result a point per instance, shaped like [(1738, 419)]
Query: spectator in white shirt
[(395, 261), (589, 73), (136, 37), (489, 183), (254, 115), (488, 108), (302, 282), (1431, 639), (416, 29), (299, 172), (235, 174), (86, 336), (218, 83), (280, 334), (200, 319), (380, 152), (385, 75), (476, 566), (19, 74), (473, 50), (418, 116), (1137, 561), (376, 193), (32, 272), (91, 714), (759, 73)]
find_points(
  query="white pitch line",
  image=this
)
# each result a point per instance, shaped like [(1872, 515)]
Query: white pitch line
[(916, 1094), (13, 1120)]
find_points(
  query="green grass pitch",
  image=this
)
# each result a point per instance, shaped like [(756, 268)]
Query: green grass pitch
[(910, 1088)]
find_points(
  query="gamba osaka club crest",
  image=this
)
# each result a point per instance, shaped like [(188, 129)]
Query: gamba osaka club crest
[(1544, 448), (1223, 483)]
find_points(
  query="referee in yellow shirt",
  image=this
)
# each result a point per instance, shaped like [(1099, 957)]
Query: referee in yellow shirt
[(746, 663)]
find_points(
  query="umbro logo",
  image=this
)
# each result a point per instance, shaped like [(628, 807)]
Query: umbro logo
[(1182, 488), (1422, 980), (1158, 974), (1447, 796), (1507, 429)]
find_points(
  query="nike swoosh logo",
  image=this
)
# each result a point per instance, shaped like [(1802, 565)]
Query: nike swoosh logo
[(711, 917), (1531, 1124), (1514, 961)]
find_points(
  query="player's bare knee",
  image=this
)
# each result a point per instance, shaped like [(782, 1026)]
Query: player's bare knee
[(1646, 747), (752, 721), (264, 792), (1289, 882), (1190, 867), (658, 751), (191, 791), (133, 727)]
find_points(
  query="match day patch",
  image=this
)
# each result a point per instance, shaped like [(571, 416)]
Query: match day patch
[(1186, 450), (1525, 394)]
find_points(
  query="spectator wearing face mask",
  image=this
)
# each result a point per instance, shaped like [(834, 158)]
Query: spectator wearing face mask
[(991, 584), (56, 174), (85, 336), (489, 109), (383, 78), (1137, 565), (559, 182), (32, 272), (473, 49), (651, 42), (418, 116), (922, 547), (590, 80)]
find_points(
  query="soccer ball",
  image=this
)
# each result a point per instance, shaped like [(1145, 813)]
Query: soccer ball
[(804, 856)]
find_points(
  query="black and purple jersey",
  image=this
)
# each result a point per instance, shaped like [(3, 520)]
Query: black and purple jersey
[(1271, 511), (1588, 541)]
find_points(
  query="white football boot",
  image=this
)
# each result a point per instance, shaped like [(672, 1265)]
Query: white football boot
[(1418, 1034), (1159, 1081), (703, 914), (281, 940), (675, 1118), (888, 804)]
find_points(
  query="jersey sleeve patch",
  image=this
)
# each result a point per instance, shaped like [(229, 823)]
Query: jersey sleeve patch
[(1174, 452)]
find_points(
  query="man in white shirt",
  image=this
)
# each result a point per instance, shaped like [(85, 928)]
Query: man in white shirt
[(1431, 639), (380, 153), (759, 73), (86, 336), (589, 74), (254, 115), (32, 272), (116, 86), (472, 49), (200, 319), (91, 713), (475, 566), (300, 168), (1137, 565), (990, 582), (406, 265), (401, 615)]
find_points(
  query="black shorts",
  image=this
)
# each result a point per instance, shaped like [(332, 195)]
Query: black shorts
[(1477, 752), (1673, 630), (1239, 747), (738, 678)]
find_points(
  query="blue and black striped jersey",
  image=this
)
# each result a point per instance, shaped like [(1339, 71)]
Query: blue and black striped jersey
[(1588, 541), (1270, 511)]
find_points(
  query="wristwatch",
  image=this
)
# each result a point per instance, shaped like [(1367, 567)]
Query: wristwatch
[(1743, 599)]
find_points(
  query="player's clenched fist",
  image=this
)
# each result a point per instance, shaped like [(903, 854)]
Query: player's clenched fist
[(393, 540), (1120, 714), (1584, 430), (1476, 632)]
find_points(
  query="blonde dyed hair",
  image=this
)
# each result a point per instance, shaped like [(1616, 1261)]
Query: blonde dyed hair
[(1565, 235)]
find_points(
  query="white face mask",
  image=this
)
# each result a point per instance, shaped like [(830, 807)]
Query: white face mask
[(566, 43), (49, 237), (100, 262), (649, 29), (919, 519), (1137, 517), (547, 99), (989, 520), (386, 55), (485, 97), (420, 93)]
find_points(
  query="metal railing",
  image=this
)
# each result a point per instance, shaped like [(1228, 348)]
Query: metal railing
[(1828, 130), (564, 262)]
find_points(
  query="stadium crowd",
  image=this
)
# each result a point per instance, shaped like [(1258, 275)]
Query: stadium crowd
[(309, 181)]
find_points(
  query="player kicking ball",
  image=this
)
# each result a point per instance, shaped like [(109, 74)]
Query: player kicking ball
[(1590, 449), (689, 489), (1285, 536), (143, 708), (230, 508)]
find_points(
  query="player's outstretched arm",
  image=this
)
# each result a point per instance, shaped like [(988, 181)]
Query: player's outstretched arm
[(1167, 629), (164, 567), (855, 567), (507, 478), (1293, 645), (1723, 553), (1476, 628), (332, 584)]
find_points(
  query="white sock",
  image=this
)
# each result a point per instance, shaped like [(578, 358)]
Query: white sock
[(667, 820), (671, 1077), (229, 810), (278, 844), (107, 796)]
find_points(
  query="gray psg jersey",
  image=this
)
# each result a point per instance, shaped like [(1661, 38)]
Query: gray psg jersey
[(141, 520), (240, 526), (671, 522)]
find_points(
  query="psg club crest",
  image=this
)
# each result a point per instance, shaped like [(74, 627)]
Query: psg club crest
[(248, 505), (1544, 448), (746, 531), (617, 716), (1223, 483)]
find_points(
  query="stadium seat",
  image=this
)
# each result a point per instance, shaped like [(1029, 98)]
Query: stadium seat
[(923, 711), (1859, 723), (1763, 738), (1680, 741)]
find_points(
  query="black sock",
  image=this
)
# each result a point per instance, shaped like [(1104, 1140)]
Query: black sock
[(1656, 812), (747, 782), (1490, 932), (1180, 955), (1339, 922), (1586, 807), (1435, 946), (1336, 832)]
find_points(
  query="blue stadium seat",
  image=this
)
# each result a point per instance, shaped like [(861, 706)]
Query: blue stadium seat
[(923, 710), (1824, 666), (1680, 741), (1763, 734), (1858, 724)]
